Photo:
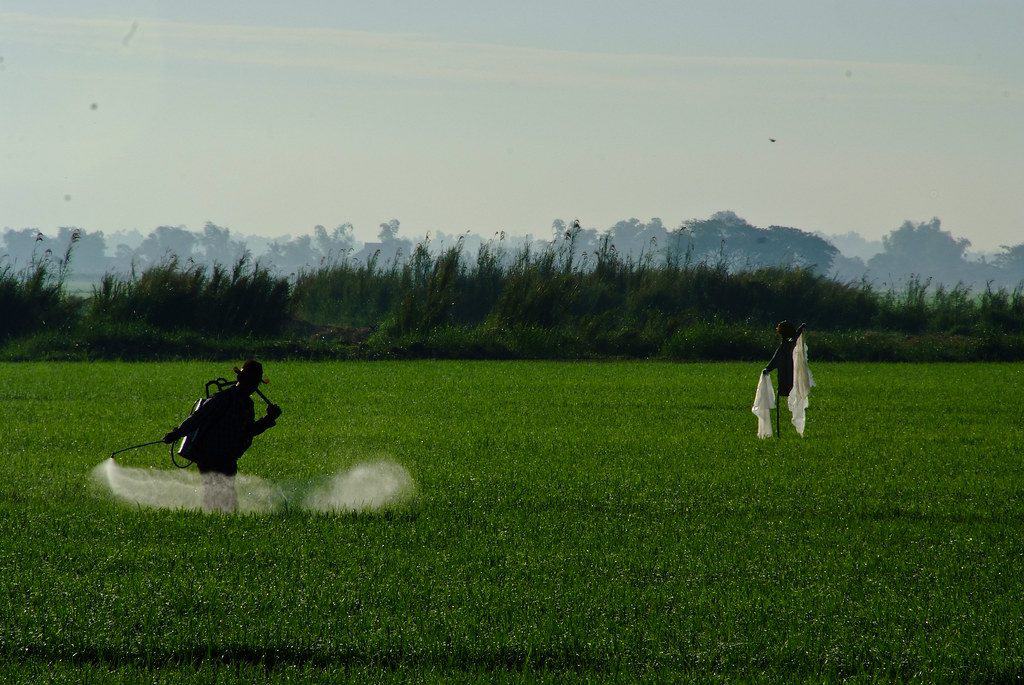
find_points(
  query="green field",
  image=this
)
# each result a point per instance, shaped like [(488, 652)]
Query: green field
[(572, 522)]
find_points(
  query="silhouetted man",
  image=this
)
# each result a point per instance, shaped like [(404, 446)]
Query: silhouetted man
[(220, 432)]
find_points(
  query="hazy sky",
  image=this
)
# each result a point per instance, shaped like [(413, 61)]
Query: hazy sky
[(271, 117)]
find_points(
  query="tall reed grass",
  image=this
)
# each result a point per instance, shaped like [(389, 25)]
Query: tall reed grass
[(556, 302), (602, 292), (245, 299), (34, 298)]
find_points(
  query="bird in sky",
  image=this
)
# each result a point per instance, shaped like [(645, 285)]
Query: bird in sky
[(772, 139)]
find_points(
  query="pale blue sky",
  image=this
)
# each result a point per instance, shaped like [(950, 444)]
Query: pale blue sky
[(273, 117)]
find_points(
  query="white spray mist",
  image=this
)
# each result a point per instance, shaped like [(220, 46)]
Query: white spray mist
[(179, 489), (367, 486)]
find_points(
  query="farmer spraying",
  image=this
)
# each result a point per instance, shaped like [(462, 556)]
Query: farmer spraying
[(219, 432), (795, 381)]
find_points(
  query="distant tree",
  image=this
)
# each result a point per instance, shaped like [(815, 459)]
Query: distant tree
[(788, 246), (218, 246), (469, 242), (925, 241), (633, 238), (730, 239), (926, 251), (291, 255), (89, 257), (122, 247), (1011, 263), (337, 244), (131, 239), (583, 242), (848, 269), (125, 258), (391, 246), (22, 244), (853, 244), (166, 241), (388, 231)]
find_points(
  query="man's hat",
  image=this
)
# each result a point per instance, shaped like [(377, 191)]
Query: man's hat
[(251, 369)]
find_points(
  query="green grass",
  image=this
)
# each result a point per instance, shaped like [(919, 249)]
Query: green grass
[(573, 522)]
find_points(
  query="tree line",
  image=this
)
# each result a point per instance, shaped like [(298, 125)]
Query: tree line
[(915, 251)]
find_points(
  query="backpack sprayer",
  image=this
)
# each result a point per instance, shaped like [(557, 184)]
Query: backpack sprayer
[(183, 447)]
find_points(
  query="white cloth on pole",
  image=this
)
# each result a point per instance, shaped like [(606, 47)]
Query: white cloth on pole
[(764, 402), (803, 381)]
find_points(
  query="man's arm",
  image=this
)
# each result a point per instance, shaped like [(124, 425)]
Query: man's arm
[(273, 411), (800, 329)]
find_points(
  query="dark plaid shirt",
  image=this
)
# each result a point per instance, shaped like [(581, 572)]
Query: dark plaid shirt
[(224, 428)]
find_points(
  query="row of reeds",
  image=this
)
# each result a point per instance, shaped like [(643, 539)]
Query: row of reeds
[(599, 296), (559, 288), (245, 300)]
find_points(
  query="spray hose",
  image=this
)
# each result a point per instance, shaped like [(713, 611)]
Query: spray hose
[(174, 459)]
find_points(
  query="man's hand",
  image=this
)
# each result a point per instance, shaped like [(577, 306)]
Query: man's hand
[(273, 411), (170, 437), (765, 372)]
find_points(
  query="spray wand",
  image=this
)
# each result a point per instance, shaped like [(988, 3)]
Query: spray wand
[(135, 447), (145, 444)]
